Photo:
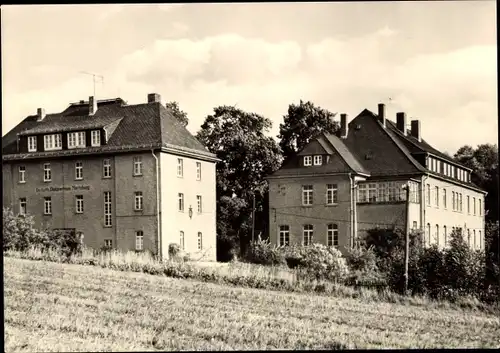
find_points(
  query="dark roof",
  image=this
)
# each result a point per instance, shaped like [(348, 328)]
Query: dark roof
[(346, 155), (149, 124)]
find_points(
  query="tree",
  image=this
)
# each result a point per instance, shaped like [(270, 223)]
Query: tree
[(247, 157), (302, 123), (177, 112)]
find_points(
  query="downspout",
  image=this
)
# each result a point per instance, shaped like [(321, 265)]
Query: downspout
[(351, 211), (423, 203), (158, 232)]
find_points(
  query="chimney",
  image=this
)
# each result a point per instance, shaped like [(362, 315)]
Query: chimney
[(381, 113), (415, 130), (401, 122), (343, 125), (154, 98), (40, 114), (92, 105)]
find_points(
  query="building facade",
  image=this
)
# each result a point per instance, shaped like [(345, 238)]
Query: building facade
[(341, 185), (129, 177)]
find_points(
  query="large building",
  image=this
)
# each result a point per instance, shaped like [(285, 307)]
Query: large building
[(129, 177), (337, 187)]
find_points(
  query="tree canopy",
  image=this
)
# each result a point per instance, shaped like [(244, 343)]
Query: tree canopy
[(177, 112)]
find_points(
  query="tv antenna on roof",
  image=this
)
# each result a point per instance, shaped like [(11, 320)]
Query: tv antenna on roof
[(94, 77)]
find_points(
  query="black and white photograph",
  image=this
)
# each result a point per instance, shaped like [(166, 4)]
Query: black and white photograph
[(250, 176)]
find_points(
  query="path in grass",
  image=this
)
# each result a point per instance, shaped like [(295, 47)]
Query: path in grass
[(60, 307)]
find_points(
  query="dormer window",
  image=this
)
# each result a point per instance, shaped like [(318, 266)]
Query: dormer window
[(76, 139), (32, 144), (52, 142), (318, 160), (96, 138), (307, 161)]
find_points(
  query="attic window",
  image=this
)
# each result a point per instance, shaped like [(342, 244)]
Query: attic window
[(318, 160), (307, 161)]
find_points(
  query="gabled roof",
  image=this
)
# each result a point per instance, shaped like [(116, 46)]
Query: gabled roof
[(149, 124), (346, 155)]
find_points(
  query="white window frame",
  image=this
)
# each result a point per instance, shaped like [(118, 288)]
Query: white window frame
[(284, 235), (23, 206), (332, 238), (444, 198), (106, 168), (180, 167), (47, 173), (137, 166), (47, 205), (307, 233), (95, 138), (79, 204), (22, 174), (199, 204), (436, 197), (453, 201), (52, 142), (474, 205), (182, 239), (428, 195), (180, 203), (138, 201), (362, 193), (200, 240), (307, 195), (445, 236), (460, 202), (468, 204), (79, 170), (198, 170), (307, 161), (32, 143), (428, 233), (76, 139), (437, 234), (318, 159), (108, 221), (479, 203), (332, 194), (139, 240)]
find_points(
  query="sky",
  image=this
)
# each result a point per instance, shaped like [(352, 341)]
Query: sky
[(436, 61)]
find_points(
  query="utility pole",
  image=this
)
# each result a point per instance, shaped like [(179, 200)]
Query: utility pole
[(253, 217), (407, 236)]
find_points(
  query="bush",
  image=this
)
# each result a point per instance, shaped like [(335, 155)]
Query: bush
[(262, 252), (320, 262), (19, 232), (360, 258)]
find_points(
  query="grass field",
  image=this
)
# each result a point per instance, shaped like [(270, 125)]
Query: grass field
[(61, 307)]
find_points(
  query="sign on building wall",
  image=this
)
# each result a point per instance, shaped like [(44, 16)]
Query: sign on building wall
[(62, 188)]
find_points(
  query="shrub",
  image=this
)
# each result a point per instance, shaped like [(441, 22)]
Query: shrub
[(19, 232), (262, 252), (320, 262), (359, 258)]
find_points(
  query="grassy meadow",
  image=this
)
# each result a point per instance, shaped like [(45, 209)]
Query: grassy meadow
[(52, 306)]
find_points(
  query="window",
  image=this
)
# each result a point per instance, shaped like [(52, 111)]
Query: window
[(47, 174), (428, 195), (318, 160), (362, 193), (200, 241), (474, 236), (307, 235), (138, 200), (106, 168), (198, 202), (474, 205), (96, 138), (372, 192), (78, 170), (139, 240), (79, 203), (438, 167), (333, 235), (437, 234), (307, 161), (181, 240), (198, 171), (284, 236), (138, 165), (307, 195), (22, 205), (480, 208), (436, 197), (460, 202), (77, 139), (52, 142), (386, 192), (445, 236), (415, 225), (108, 243), (428, 233), (480, 241), (181, 202), (107, 209), (180, 167), (81, 236), (444, 198), (47, 209), (468, 204), (22, 174), (453, 200), (331, 194), (32, 144)]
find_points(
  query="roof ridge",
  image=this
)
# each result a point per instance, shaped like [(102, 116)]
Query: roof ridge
[(341, 155)]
